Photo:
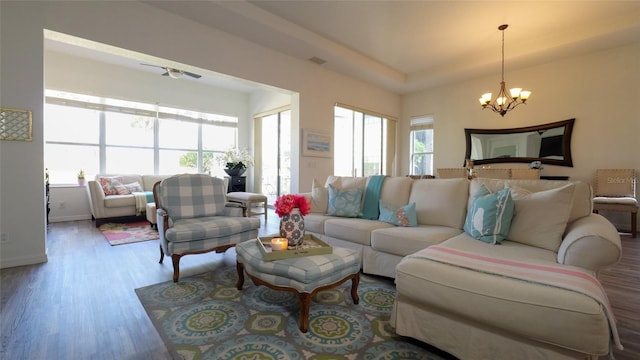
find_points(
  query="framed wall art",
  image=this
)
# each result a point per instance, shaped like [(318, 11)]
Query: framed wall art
[(316, 143), (15, 124)]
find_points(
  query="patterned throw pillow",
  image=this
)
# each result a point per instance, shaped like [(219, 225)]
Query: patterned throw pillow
[(345, 203), (134, 187), (120, 189), (489, 215), (399, 216), (107, 184)]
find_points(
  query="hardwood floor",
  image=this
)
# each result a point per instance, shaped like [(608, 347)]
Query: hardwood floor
[(81, 304)]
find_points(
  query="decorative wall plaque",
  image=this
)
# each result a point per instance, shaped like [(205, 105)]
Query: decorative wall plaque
[(15, 124)]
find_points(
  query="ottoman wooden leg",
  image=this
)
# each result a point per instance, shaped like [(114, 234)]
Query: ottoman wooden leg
[(305, 304)]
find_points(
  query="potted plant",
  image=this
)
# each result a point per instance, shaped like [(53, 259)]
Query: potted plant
[(81, 179), (235, 161)]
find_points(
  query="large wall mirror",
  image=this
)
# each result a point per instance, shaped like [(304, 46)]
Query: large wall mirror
[(548, 143)]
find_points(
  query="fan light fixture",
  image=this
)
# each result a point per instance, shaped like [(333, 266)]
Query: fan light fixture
[(174, 73), (505, 101)]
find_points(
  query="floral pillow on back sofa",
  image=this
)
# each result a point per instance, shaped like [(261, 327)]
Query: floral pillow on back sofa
[(108, 184)]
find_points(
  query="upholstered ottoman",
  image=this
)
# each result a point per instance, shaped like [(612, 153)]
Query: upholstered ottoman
[(247, 200), (303, 276)]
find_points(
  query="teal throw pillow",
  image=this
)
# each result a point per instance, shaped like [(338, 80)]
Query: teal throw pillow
[(490, 214), (399, 216), (345, 203)]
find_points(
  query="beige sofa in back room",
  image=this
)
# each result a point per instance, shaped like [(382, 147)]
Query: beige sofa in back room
[(105, 208)]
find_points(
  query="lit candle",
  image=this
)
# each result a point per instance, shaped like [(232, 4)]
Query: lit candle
[(279, 244)]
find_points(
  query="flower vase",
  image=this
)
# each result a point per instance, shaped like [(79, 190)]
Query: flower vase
[(292, 228), (234, 172)]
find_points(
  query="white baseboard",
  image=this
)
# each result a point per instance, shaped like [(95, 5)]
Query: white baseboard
[(69, 218), (21, 261)]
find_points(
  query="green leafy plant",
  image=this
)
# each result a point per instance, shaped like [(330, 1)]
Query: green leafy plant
[(81, 174), (190, 159)]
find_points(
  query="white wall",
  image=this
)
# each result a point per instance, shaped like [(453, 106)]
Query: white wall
[(600, 90), (69, 203), (139, 27)]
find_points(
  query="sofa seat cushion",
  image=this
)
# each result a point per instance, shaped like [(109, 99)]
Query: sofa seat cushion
[(544, 313), (192, 229), (114, 201), (353, 229), (406, 241)]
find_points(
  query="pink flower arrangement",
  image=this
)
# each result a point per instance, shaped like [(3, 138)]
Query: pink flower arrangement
[(286, 203)]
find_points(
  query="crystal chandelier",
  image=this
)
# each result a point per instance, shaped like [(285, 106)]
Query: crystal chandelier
[(505, 101)]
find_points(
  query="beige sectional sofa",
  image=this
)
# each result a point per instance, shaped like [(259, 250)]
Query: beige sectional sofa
[(105, 208), (535, 295)]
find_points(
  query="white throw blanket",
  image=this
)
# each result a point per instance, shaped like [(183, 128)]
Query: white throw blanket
[(572, 279), (141, 202)]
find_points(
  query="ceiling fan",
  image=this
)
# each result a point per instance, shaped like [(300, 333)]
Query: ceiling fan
[(174, 73)]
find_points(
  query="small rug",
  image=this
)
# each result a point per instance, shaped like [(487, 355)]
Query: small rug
[(206, 317), (118, 234)]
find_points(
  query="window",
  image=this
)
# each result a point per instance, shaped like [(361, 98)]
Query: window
[(102, 135), (422, 146), (365, 142)]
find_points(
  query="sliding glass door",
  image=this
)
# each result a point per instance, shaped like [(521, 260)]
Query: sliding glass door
[(275, 152)]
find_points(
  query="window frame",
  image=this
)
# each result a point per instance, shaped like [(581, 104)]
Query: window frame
[(422, 123), (154, 111), (359, 140)]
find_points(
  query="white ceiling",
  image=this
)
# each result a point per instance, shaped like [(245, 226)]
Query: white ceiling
[(406, 46)]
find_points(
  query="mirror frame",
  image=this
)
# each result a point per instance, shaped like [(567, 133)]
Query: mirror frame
[(566, 143)]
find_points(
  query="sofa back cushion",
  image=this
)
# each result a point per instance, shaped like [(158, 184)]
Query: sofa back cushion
[(396, 190), (440, 202), (191, 196), (149, 180)]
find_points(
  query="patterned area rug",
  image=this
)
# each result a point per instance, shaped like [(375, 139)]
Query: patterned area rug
[(118, 234), (206, 317)]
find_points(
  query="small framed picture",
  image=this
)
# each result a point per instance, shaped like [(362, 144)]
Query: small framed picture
[(316, 143), (15, 124)]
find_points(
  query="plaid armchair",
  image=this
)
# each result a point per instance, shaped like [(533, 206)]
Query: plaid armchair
[(193, 217)]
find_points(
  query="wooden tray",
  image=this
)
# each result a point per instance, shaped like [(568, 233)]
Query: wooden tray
[(311, 246)]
